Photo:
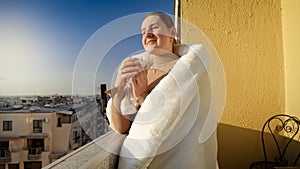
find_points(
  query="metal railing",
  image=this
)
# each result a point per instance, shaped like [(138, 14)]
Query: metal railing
[(37, 130), (35, 151), (4, 153), (16, 149)]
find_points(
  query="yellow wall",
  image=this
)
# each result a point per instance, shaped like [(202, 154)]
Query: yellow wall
[(247, 35), (258, 43), (291, 43)]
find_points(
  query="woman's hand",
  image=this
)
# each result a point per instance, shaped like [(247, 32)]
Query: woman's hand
[(139, 84), (128, 69)]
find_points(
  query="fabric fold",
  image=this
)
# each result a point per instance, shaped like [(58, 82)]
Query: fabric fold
[(172, 114)]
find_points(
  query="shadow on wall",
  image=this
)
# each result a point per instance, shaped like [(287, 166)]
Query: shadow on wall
[(238, 147)]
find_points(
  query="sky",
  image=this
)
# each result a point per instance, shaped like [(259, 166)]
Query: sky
[(41, 41)]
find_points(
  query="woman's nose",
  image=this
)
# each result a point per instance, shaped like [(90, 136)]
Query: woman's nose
[(149, 34)]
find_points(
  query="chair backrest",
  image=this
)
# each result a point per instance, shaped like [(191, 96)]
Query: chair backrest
[(281, 125)]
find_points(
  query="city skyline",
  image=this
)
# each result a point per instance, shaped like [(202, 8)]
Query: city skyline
[(41, 40)]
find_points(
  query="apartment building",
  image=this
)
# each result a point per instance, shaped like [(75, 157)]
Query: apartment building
[(33, 139)]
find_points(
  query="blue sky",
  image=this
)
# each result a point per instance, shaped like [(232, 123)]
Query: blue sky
[(40, 41)]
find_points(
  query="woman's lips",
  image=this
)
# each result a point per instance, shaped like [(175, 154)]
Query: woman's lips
[(151, 41)]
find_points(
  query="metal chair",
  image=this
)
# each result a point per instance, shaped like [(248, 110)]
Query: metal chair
[(279, 126)]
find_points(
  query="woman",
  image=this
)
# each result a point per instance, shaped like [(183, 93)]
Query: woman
[(169, 114)]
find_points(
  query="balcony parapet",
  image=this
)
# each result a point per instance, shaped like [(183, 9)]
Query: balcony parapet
[(5, 156), (15, 150), (34, 157), (56, 155), (92, 155), (35, 153), (6, 137), (35, 135)]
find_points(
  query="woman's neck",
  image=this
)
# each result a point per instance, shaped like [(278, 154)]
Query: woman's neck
[(164, 62)]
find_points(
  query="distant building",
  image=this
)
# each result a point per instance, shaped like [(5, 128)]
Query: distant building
[(35, 131), (30, 140)]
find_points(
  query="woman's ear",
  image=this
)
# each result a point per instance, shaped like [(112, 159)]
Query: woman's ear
[(173, 31)]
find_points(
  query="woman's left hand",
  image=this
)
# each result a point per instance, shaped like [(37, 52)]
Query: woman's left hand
[(139, 83)]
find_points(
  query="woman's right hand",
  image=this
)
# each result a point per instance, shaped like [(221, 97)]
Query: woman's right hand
[(128, 69)]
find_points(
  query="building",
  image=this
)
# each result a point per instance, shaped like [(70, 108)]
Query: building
[(35, 131), (34, 139)]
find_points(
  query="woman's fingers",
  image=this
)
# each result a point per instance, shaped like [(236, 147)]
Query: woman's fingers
[(134, 80), (131, 63), (139, 83), (128, 75), (143, 74), (129, 68), (141, 77)]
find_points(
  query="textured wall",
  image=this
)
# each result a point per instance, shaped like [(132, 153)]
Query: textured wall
[(247, 34), (291, 36)]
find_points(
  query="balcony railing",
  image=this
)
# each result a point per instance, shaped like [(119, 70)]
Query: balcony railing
[(5, 156), (37, 130), (35, 153), (15, 150), (92, 155)]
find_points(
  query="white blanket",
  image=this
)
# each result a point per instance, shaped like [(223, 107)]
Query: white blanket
[(177, 119)]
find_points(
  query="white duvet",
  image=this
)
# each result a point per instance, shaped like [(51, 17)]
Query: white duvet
[(176, 125)]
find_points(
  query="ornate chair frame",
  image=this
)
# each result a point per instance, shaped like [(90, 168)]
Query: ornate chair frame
[(285, 123)]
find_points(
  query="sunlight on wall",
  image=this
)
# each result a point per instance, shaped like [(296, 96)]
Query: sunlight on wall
[(291, 36), (248, 37)]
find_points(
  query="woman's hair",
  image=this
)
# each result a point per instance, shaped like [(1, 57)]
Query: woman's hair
[(167, 20)]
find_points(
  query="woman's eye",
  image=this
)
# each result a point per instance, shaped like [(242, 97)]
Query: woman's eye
[(154, 27)]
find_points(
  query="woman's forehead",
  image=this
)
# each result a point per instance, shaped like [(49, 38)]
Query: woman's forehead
[(150, 20)]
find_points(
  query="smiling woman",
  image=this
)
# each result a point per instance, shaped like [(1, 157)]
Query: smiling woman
[(163, 28), (166, 125)]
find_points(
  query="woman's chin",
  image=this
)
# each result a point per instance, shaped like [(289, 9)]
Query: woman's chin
[(150, 50)]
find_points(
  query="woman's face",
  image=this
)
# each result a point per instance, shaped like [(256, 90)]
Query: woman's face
[(156, 36)]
